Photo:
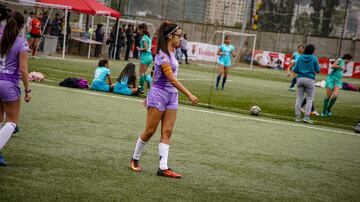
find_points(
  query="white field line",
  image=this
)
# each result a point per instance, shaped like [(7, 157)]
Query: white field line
[(211, 112)]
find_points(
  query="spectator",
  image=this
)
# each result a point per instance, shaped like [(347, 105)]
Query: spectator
[(35, 33), (248, 56), (111, 42), (183, 46), (44, 21), (99, 37), (126, 82), (120, 42), (55, 25), (137, 37), (129, 41)]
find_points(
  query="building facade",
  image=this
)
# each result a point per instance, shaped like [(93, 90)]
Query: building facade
[(225, 12)]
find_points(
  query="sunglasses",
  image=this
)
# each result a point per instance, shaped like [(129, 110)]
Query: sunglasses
[(178, 35)]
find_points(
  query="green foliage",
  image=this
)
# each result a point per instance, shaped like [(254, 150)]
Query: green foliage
[(303, 24)]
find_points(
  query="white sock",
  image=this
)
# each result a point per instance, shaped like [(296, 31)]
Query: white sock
[(6, 132), (138, 149), (163, 153)]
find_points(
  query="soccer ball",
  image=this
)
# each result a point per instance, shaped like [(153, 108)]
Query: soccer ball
[(255, 110)]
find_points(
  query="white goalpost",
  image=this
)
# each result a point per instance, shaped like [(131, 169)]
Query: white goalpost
[(238, 40)]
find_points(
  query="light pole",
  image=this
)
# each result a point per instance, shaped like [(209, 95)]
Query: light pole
[(344, 27)]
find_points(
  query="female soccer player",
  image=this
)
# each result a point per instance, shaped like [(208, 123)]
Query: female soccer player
[(295, 56), (101, 74), (35, 33), (126, 83), (334, 83), (145, 54), (162, 100), (306, 67), (13, 63), (226, 50)]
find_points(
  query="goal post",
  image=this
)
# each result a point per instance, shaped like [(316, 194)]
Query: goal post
[(241, 42)]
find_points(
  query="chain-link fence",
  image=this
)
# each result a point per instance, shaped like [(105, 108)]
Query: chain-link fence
[(333, 25)]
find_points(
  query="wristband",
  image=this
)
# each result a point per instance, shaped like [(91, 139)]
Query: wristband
[(27, 90)]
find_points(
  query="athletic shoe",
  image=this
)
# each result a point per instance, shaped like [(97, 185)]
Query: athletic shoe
[(297, 119), (168, 173), (216, 88), (308, 120), (16, 130), (292, 89), (329, 114), (315, 113), (2, 161), (135, 165), (357, 128), (323, 114)]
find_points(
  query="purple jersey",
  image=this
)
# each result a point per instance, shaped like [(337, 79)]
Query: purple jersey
[(1, 29), (9, 64), (160, 80)]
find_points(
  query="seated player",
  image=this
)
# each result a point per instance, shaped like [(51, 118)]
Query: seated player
[(126, 83), (101, 74)]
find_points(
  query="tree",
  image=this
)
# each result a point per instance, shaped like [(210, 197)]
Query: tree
[(276, 15), (323, 16), (303, 24)]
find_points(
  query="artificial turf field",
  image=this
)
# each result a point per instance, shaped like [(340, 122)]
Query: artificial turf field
[(75, 145)]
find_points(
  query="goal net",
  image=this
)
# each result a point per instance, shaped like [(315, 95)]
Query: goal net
[(243, 43)]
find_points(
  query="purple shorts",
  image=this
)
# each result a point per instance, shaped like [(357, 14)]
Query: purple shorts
[(162, 100), (9, 91)]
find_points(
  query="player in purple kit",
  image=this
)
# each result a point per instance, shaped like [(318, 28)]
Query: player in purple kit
[(13, 63), (162, 100)]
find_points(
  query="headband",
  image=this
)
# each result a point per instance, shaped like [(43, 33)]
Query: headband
[(177, 27)]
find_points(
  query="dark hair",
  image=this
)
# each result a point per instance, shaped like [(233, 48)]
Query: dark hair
[(144, 29), (300, 46), (4, 12), (164, 30), (185, 36), (103, 62), (347, 56), (227, 37), (309, 49), (11, 31), (99, 26), (128, 71)]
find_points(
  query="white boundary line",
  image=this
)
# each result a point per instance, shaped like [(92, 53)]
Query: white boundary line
[(209, 112)]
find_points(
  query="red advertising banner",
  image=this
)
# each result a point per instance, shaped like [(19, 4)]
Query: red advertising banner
[(273, 59), (356, 71)]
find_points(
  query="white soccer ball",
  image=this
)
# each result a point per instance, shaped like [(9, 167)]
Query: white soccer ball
[(255, 110)]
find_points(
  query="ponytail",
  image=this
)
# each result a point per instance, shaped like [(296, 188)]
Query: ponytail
[(144, 28), (11, 31), (165, 30)]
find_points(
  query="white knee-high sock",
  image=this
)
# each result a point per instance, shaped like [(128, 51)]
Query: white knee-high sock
[(138, 149), (6, 132), (163, 153)]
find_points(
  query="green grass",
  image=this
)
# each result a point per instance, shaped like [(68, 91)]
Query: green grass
[(76, 146), (265, 88)]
